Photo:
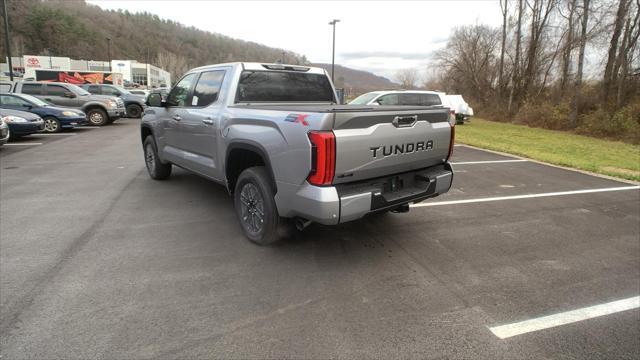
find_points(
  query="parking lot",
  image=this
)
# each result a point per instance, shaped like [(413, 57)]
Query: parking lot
[(97, 260)]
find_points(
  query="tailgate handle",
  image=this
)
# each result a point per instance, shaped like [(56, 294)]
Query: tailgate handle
[(404, 121)]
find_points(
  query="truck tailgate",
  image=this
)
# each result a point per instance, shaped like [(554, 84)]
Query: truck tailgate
[(377, 143)]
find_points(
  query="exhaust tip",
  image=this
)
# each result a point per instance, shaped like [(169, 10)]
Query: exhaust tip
[(301, 223)]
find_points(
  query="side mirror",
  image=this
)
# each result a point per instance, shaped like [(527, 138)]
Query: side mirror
[(156, 100), (69, 95)]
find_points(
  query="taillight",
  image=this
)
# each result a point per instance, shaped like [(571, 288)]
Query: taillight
[(452, 117), (323, 157), (453, 139)]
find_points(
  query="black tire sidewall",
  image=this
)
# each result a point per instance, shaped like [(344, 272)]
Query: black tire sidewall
[(161, 171), (137, 108), (259, 177), (105, 117)]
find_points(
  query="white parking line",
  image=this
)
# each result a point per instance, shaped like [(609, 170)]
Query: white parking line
[(23, 144), (488, 162), (56, 134), (87, 127), (528, 196), (545, 322)]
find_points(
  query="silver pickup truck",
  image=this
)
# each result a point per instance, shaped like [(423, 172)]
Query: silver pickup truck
[(274, 135)]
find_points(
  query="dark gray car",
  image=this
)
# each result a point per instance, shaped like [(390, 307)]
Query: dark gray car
[(134, 104), (100, 109)]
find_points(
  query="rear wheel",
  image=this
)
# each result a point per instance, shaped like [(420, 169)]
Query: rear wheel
[(97, 117), (52, 125), (156, 169), (134, 111), (256, 207)]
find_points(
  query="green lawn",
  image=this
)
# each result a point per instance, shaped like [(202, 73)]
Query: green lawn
[(607, 157)]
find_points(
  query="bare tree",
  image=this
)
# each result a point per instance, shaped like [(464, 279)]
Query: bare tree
[(573, 116), (407, 77), (504, 8), (568, 45), (470, 62), (516, 63), (541, 10), (176, 65), (609, 75)]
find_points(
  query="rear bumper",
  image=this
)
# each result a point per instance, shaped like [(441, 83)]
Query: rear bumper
[(347, 202)]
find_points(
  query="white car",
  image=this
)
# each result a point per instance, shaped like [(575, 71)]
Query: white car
[(463, 111), (405, 97)]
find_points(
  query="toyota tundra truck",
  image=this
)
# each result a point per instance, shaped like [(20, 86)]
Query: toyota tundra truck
[(275, 136)]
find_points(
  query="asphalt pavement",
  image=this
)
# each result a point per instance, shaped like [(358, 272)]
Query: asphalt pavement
[(99, 261)]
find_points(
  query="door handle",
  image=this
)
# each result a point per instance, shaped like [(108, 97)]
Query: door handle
[(207, 121), (176, 117)]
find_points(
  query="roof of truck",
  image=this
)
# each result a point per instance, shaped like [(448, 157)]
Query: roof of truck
[(265, 66)]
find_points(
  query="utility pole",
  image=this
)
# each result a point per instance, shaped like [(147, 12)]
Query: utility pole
[(6, 38), (109, 52), (333, 53)]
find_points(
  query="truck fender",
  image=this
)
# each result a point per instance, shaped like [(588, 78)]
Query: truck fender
[(254, 147)]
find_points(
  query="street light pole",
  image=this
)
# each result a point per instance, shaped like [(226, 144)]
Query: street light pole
[(6, 38), (333, 52), (109, 52)]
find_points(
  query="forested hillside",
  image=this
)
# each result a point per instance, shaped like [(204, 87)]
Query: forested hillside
[(356, 82), (78, 30)]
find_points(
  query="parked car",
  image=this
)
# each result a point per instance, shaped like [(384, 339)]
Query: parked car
[(21, 123), (100, 109), (134, 104), (4, 132), (405, 98), (275, 136), (140, 92), (6, 86), (55, 118), (463, 111)]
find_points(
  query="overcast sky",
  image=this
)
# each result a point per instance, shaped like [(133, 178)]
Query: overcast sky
[(377, 36)]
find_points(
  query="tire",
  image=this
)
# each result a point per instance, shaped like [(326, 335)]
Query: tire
[(256, 208), (97, 117), (134, 111), (52, 125), (156, 169)]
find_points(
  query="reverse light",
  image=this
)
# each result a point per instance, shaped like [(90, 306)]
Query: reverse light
[(323, 157)]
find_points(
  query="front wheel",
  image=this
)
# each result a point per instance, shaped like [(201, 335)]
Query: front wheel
[(97, 117), (156, 169), (52, 125), (134, 111), (256, 207)]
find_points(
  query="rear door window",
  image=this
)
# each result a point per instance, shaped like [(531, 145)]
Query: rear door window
[(12, 101), (33, 89), (430, 100), (410, 99), (208, 87)]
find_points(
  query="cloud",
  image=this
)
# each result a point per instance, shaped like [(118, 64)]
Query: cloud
[(385, 54)]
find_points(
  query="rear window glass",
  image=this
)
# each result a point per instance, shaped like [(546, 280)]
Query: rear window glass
[(32, 89), (281, 86)]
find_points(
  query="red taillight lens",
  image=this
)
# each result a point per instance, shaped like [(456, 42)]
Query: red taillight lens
[(323, 157), (451, 143)]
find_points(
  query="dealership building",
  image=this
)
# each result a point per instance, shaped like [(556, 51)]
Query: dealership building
[(132, 71)]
